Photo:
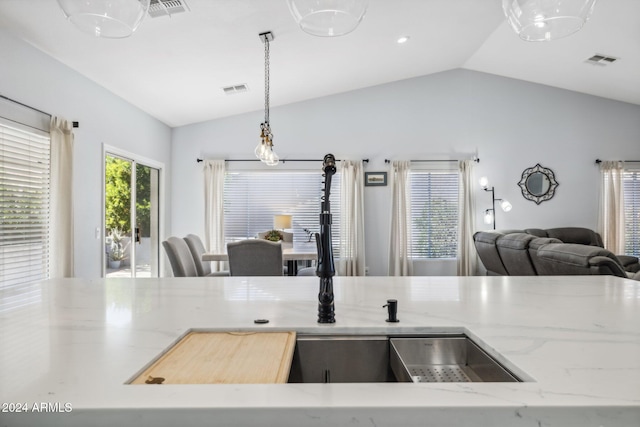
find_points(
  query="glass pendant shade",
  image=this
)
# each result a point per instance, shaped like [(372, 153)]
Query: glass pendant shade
[(264, 149), (328, 18), (545, 20), (105, 18), (484, 182), (505, 205), (488, 217)]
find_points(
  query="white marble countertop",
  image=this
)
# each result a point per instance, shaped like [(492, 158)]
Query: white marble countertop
[(73, 344)]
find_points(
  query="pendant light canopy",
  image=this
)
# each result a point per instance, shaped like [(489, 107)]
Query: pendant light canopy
[(545, 20), (328, 18), (105, 18)]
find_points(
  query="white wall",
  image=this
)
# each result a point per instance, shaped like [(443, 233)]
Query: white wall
[(35, 79), (511, 125)]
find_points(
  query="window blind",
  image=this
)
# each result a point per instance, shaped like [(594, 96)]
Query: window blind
[(631, 189), (434, 214), (24, 204), (252, 198)]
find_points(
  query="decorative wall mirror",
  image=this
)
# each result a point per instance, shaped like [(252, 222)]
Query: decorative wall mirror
[(538, 184)]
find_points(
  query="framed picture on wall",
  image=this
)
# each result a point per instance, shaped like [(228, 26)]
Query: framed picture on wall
[(375, 179)]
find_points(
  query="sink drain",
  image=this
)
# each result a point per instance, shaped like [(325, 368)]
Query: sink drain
[(438, 374)]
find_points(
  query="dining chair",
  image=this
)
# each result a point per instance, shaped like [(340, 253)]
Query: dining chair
[(196, 247), (255, 257), (286, 238), (180, 257)]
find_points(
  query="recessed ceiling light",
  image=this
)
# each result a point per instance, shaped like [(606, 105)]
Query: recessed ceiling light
[(402, 40)]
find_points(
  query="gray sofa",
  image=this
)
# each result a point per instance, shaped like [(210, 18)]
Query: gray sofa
[(542, 252)]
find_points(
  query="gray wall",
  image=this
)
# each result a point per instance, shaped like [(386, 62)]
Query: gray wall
[(33, 78), (509, 124)]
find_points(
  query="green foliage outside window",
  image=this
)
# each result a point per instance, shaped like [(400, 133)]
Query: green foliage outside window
[(118, 196), (436, 229)]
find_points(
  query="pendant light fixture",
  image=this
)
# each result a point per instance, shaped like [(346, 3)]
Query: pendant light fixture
[(264, 150), (328, 18), (546, 20), (114, 19)]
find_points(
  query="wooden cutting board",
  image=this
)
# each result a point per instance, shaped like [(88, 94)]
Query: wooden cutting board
[(224, 358)]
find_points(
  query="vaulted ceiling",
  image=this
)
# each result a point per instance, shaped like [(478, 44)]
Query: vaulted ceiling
[(174, 68)]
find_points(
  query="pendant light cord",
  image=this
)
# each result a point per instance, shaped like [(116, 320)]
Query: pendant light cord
[(266, 81)]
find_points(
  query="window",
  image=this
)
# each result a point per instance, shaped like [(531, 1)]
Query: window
[(631, 188), (252, 198), (434, 214), (24, 204)]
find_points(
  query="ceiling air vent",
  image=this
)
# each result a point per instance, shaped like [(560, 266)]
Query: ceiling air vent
[(159, 8), (603, 60), (230, 90)]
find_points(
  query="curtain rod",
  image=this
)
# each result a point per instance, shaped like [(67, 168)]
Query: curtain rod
[(24, 105), (477, 160), (598, 161), (75, 124), (281, 160)]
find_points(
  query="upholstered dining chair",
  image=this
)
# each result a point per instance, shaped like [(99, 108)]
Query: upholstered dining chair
[(286, 238), (197, 249), (180, 257), (255, 257)]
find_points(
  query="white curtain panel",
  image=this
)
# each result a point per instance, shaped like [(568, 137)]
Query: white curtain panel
[(467, 259), (611, 220), (61, 222), (400, 263), (214, 209), (352, 259)]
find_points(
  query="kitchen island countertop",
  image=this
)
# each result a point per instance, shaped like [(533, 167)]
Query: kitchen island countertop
[(69, 347)]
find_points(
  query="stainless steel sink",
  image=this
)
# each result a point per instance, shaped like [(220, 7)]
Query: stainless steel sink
[(341, 359), (450, 359), (382, 358)]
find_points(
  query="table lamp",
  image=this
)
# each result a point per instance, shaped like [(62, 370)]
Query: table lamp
[(282, 222)]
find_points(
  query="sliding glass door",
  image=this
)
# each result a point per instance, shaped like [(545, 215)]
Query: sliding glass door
[(131, 212)]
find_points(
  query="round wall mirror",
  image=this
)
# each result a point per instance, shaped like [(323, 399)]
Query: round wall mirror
[(538, 184)]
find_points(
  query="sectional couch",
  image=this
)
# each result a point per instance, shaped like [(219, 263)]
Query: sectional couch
[(557, 251)]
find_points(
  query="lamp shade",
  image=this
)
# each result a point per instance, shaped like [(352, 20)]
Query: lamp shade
[(505, 205), (328, 18), (105, 18), (488, 216), (281, 222), (484, 182), (545, 20)]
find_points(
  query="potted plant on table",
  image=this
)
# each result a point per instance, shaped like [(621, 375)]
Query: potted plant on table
[(274, 236)]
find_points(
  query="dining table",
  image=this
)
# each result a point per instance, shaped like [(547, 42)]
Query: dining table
[(291, 253)]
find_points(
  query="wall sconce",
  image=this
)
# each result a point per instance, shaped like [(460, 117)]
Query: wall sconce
[(490, 214)]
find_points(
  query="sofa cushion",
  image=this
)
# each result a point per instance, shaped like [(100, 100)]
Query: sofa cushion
[(576, 259), (514, 252), (538, 232), (583, 236), (536, 244), (630, 263), (485, 243)]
